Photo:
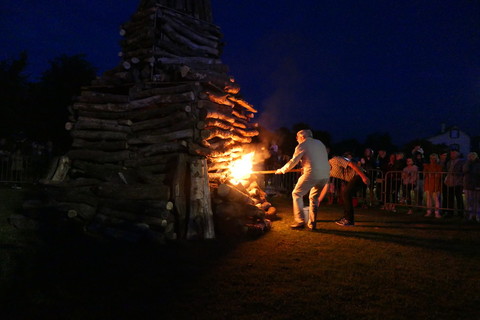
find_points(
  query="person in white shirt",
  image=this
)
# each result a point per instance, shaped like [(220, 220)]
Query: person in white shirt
[(313, 156)]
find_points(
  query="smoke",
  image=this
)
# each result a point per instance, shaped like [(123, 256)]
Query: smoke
[(282, 105)]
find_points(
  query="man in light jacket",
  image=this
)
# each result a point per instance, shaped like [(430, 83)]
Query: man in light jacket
[(315, 173)]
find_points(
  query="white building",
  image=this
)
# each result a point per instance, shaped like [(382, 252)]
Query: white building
[(454, 138)]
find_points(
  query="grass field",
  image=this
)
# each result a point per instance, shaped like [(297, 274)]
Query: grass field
[(389, 266)]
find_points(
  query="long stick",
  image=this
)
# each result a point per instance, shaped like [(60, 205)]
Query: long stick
[(273, 171)]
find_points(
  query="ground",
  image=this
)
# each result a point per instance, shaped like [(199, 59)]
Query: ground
[(389, 266)]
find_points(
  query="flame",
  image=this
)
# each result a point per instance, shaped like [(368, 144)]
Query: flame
[(242, 168)]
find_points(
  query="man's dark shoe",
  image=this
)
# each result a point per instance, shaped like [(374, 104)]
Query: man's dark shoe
[(344, 222), (299, 225)]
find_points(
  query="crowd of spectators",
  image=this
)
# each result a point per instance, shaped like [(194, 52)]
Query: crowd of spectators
[(441, 185), (444, 186)]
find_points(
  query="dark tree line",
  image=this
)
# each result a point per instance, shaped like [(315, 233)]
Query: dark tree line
[(39, 109), (286, 140)]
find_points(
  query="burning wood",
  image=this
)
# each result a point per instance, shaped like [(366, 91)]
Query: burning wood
[(159, 141)]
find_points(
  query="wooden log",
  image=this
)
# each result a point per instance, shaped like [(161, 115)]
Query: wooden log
[(240, 116), (98, 135), (136, 217), (160, 122), (134, 192), (97, 125), (232, 88), (174, 49), (100, 156), (242, 103), (246, 133), (204, 26), (73, 183), (151, 178), (220, 143), (112, 145), (271, 212), (196, 149), (200, 50), (190, 33), (81, 210), (58, 170), (102, 171), (223, 134), (138, 115), (104, 107), (192, 74), (232, 194), (113, 122), (200, 223), (220, 98), (170, 89), (170, 136), (139, 206), (208, 113), (74, 195), (101, 97), (165, 147), (160, 111), (149, 161), (179, 186), (217, 123), (190, 61), (162, 99), (231, 152), (217, 176)]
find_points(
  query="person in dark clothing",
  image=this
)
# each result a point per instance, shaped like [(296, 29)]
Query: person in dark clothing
[(344, 169)]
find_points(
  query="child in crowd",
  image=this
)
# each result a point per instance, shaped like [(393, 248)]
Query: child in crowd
[(433, 185), (409, 180)]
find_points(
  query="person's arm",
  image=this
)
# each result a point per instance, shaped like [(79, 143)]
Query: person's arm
[(359, 172), (297, 156)]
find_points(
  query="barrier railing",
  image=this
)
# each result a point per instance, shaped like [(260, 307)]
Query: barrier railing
[(387, 191), (20, 170)]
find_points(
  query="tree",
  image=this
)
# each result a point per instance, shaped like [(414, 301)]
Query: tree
[(379, 140), (323, 136), (54, 93), (427, 146), (14, 94), (349, 145)]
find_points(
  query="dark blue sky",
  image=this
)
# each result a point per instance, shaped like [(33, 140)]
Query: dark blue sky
[(348, 67)]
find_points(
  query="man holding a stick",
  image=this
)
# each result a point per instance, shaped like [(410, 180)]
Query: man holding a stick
[(344, 169), (315, 173)]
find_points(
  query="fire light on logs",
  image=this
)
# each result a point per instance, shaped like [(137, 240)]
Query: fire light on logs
[(159, 139)]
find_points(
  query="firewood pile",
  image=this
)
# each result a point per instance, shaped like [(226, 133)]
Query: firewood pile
[(154, 138)]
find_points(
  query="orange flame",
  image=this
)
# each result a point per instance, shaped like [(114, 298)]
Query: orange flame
[(242, 168)]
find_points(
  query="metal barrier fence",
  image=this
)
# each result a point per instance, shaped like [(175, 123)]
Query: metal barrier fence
[(387, 191), (20, 170)]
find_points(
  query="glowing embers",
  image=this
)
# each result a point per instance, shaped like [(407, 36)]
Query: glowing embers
[(242, 168)]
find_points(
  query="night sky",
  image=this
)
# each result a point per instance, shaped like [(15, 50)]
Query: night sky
[(348, 67)]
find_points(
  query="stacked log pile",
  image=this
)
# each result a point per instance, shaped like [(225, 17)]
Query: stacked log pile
[(153, 138)]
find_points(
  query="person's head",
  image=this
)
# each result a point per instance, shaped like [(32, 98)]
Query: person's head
[(418, 156), (472, 156), (434, 158), (368, 152), (382, 153), (302, 135), (348, 155), (454, 154), (399, 155), (409, 162)]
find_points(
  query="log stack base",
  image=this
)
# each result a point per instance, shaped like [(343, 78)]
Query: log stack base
[(154, 136)]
